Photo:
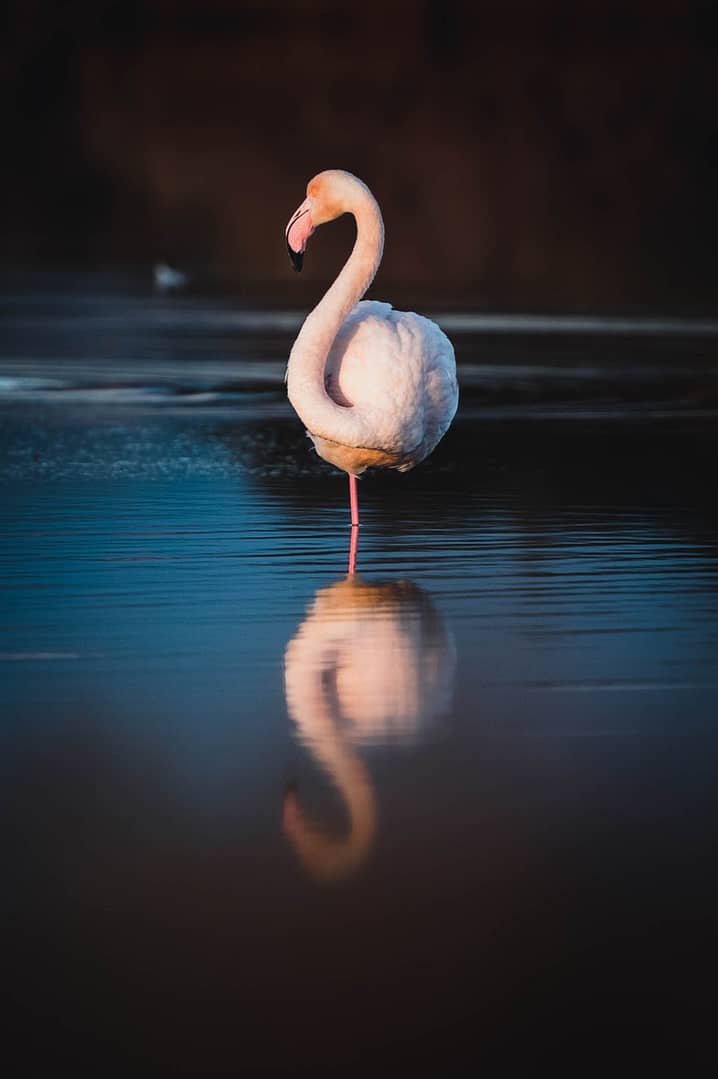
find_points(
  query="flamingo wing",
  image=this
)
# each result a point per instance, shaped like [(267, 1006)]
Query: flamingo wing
[(397, 371)]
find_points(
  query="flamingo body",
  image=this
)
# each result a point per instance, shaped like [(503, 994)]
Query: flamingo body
[(397, 370)]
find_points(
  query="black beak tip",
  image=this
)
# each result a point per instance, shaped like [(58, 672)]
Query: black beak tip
[(297, 258)]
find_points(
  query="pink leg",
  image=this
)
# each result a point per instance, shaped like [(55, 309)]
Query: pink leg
[(353, 551), (354, 503), (353, 500)]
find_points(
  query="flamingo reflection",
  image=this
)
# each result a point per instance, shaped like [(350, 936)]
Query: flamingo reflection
[(371, 662)]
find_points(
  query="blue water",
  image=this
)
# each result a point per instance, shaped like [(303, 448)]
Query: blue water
[(260, 816)]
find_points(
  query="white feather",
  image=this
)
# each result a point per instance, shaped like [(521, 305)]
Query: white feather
[(397, 371)]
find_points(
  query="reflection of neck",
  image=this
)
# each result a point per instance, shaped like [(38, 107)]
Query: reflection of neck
[(312, 705)]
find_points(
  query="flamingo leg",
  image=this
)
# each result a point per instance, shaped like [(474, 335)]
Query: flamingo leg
[(353, 500), (353, 551), (354, 503)]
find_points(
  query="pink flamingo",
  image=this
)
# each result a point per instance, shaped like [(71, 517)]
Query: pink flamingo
[(374, 387)]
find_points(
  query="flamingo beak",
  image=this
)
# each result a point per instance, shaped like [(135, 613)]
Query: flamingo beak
[(297, 232)]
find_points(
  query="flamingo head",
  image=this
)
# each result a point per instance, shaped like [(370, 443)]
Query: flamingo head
[(329, 195)]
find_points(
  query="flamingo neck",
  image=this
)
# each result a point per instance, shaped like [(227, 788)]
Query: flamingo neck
[(312, 703), (322, 325), (305, 372), (324, 856)]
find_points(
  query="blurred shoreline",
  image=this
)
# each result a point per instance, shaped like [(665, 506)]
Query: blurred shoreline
[(111, 339)]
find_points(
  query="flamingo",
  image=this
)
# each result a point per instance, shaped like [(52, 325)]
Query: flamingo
[(374, 387)]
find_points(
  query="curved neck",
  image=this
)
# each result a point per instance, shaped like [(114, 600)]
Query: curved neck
[(327, 857), (322, 325), (311, 664), (305, 371), (311, 706)]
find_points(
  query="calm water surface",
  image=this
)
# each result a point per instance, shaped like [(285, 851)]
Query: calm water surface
[(262, 817)]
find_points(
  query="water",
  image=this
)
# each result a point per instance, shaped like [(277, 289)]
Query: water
[(261, 817)]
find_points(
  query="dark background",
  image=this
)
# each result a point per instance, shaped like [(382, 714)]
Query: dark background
[(551, 156)]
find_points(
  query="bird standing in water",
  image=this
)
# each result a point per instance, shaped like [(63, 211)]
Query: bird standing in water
[(373, 386)]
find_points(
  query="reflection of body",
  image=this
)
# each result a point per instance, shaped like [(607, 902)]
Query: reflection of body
[(370, 662)]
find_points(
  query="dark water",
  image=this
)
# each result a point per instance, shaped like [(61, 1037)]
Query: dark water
[(457, 812)]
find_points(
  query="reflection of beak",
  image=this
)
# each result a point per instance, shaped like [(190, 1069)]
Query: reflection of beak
[(298, 231)]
